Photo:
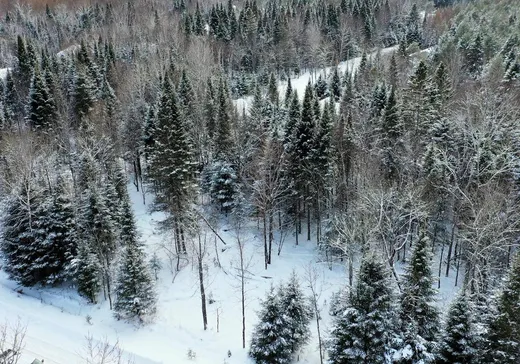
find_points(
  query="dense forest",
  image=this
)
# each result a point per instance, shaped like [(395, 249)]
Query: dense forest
[(409, 153)]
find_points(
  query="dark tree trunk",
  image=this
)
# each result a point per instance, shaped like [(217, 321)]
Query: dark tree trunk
[(202, 291)]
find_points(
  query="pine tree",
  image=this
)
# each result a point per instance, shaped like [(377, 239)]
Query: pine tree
[(413, 33), (419, 316), (363, 332), (88, 272), (503, 339), (391, 130), (42, 110), (335, 85), (84, 95), (297, 312), (56, 240), (269, 341), (459, 341), (475, 56), (288, 93), (136, 297), (321, 88), (171, 165), (223, 141), (223, 185), (272, 90), (19, 240)]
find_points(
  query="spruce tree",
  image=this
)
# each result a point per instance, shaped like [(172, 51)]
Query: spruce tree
[(419, 316), (363, 332), (503, 338), (288, 93), (56, 239), (272, 90), (297, 311), (335, 85), (223, 140), (136, 297), (459, 341), (19, 240), (171, 165), (269, 341), (84, 95), (475, 56), (88, 276), (223, 185), (391, 130), (42, 110)]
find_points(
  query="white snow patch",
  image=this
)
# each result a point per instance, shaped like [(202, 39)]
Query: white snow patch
[(3, 73), (70, 50)]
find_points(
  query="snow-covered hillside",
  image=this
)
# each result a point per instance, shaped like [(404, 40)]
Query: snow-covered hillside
[(299, 83)]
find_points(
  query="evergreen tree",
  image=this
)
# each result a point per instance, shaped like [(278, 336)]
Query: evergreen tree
[(56, 241), (84, 95), (503, 339), (171, 165), (475, 56), (419, 316), (269, 341), (335, 85), (321, 88), (459, 342), (135, 291), (19, 240), (297, 312), (288, 93), (413, 33), (391, 130), (363, 332), (88, 272), (223, 141), (42, 110), (272, 91), (223, 185)]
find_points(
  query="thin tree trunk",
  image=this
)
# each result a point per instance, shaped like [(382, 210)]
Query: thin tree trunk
[(319, 332), (458, 263), (350, 269), (266, 253), (308, 221), (270, 234), (202, 291), (296, 222), (440, 266), (448, 258), (243, 295)]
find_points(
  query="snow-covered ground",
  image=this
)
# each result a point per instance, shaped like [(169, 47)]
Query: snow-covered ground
[(300, 83), (3, 73), (57, 324)]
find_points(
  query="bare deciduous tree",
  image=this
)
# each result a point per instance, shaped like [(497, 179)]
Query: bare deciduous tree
[(12, 336), (103, 352)]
